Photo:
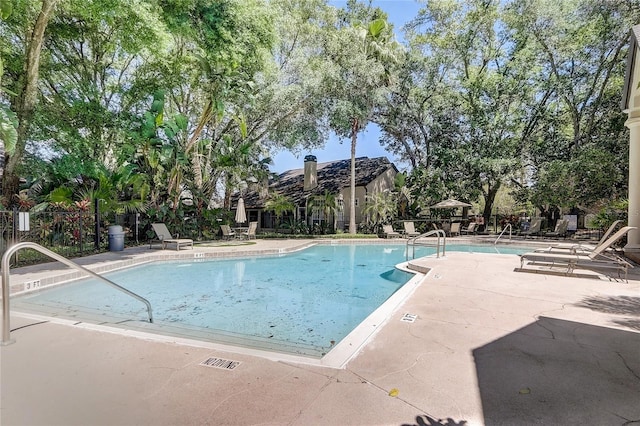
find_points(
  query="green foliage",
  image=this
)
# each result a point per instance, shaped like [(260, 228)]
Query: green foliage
[(326, 206), (506, 88), (8, 128), (156, 103), (616, 210), (6, 7), (279, 204), (8, 119), (583, 181), (381, 209)]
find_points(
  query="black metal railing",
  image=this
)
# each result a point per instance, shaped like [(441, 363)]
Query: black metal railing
[(68, 233)]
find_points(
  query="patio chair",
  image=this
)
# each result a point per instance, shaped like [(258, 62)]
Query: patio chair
[(251, 232), (471, 229), (410, 230), (227, 232), (389, 232), (585, 247), (455, 229), (560, 229), (534, 229), (165, 237), (598, 259)]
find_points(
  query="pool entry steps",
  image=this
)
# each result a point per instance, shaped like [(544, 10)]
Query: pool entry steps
[(6, 285)]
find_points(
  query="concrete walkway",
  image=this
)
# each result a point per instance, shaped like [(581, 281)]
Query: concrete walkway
[(489, 346)]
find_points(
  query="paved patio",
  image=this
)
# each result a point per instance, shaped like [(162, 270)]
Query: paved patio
[(489, 346)]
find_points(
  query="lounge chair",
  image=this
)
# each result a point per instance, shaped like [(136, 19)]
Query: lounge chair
[(227, 232), (455, 229), (165, 237), (389, 232), (410, 230), (585, 247), (251, 232), (471, 229), (560, 229), (534, 229), (597, 259)]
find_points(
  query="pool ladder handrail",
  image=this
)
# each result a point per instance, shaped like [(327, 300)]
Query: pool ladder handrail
[(507, 226), (6, 287), (413, 241)]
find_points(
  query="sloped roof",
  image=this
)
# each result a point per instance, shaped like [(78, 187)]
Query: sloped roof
[(332, 177), (632, 57)]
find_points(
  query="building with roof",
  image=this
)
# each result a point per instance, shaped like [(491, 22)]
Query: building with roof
[(631, 105), (373, 175)]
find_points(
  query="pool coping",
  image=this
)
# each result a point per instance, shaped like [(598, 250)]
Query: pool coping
[(36, 277), (337, 358), (489, 345)]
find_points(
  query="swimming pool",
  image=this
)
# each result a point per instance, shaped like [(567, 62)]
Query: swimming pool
[(302, 303)]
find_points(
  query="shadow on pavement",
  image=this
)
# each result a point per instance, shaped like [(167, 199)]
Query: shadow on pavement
[(618, 305), (560, 372)]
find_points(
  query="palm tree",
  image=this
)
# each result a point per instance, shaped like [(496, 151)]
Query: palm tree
[(362, 63), (279, 204), (381, 209), (327, 204)]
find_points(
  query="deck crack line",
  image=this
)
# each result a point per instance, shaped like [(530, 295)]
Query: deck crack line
[(515, 296), (631, 370), (404, 401), (415, 361), (317, 373), (543, 313), (449, 349), (249, 389), (167, 381), (311, 401), (539, 324)]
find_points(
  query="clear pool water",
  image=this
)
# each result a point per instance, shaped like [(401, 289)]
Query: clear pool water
[(302, 303)]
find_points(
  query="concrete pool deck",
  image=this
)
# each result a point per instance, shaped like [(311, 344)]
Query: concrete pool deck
[(488, 346)]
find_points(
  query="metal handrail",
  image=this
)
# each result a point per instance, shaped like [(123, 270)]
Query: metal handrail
[(6, 287), (413, 242), (508, 226)]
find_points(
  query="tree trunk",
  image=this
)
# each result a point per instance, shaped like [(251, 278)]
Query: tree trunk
[(26, 102), (192, 144), (353, 229), (489, 199)]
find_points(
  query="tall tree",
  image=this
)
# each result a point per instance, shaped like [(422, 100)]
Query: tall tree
[(91, 65), (580, 47), (471, 94), (363, 55), (24, 102)]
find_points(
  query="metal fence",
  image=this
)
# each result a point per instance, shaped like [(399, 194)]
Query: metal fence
[(79, 233), (70, 234)]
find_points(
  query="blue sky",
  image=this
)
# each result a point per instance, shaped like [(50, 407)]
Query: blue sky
[(399, 12)]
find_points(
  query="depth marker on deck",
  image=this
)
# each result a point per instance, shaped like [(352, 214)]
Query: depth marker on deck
[(408, 318)]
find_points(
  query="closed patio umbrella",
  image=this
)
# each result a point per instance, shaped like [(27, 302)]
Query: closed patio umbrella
[(241, 214)]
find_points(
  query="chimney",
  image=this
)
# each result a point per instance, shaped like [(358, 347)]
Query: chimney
[(310, 172), (264, 187)]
